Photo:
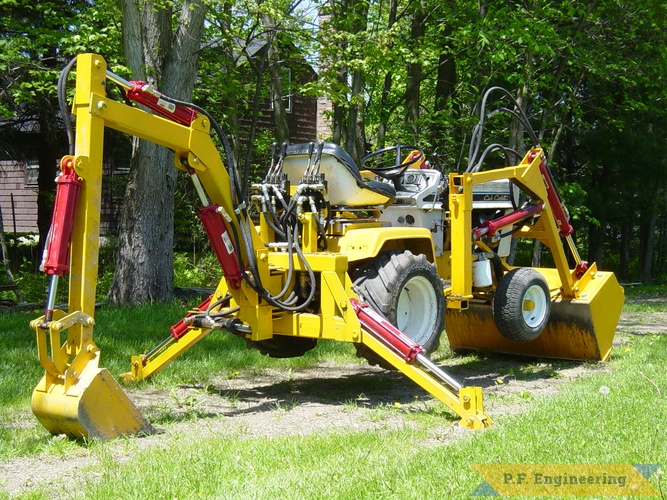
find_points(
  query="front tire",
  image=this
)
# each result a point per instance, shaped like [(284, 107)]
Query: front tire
[(522, 304), (407, 290)]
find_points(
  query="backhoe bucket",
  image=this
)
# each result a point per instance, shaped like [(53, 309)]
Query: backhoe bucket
[(581, 328), (93, 407), (75, 396)]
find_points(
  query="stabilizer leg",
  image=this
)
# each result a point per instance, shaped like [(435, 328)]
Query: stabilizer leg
[(405, 355)]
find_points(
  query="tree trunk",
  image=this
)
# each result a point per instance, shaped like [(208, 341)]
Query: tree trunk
[(646, 245), (624, 254), (445, 88), (276, 79), (661, 265), (414, 72), (339, 105), (595, 245), (348, 18), (168, 60), (48, 155), (385, 111), (355, 135), (355, 139)]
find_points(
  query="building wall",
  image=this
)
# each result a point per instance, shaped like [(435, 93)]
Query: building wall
[(18, 197), (324, 108)]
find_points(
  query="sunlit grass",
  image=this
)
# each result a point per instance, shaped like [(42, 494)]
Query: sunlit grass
[(616, 417), (121, 332)]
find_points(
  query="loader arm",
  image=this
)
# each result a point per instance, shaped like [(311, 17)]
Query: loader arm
[(585, 303)]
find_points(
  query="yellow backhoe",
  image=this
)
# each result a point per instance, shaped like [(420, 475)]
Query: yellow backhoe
[(382, 255)]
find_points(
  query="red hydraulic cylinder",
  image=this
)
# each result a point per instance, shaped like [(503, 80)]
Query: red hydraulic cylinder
[(397, 341), (180, 328), (218, 234), (491, 227), (68, 185), (403, 345), (151, 98)]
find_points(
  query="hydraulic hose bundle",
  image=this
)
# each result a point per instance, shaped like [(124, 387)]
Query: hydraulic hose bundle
[(226, 233)]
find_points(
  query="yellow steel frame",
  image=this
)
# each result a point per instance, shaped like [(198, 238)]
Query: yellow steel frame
[(72, 368), (528, 177), (585, 306)]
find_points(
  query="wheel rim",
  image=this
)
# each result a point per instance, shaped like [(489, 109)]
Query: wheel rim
[(417, 311), (534, 307)]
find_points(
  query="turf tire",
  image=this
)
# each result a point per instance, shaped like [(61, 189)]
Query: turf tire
[(522, 304), (407, 290)]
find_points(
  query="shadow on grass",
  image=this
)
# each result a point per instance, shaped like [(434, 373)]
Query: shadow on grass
[(335, 386), (484, 369)]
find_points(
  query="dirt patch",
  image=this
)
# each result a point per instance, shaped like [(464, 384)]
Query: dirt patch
[(322, 399), (644, 323)]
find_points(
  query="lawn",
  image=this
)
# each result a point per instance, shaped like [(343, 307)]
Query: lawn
[(365, 445)]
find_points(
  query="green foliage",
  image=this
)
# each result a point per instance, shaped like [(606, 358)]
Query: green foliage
[(191, 270), (591, 76), (38, 38)]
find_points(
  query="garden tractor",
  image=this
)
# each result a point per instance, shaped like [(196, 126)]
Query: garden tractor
[(382, 255)]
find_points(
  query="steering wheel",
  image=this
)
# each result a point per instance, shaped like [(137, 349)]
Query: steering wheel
[(392, 168)]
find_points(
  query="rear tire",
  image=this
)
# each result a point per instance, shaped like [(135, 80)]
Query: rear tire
[(407, 290), (522, 304)]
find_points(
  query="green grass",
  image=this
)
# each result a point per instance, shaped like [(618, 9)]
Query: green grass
[(646, 290), (581, 425), (121, 332), (645, 307), (646, 299), (613, 416)]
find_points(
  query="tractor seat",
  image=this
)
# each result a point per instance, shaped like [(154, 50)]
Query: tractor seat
[(345, 185)]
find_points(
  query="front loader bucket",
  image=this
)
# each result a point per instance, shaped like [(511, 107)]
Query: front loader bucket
[(580, 329), (93, 407)]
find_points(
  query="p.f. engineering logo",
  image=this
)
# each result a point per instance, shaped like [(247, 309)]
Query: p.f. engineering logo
[(565, 480)]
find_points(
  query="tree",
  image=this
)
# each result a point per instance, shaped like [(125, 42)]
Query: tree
[(276, 77), (414, 69), (161, 42), (37, 39), (342, 52)]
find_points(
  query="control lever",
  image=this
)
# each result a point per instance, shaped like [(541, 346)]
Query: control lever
[(318, 158)]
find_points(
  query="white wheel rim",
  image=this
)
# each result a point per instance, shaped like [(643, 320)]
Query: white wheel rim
[(417, 311), (534, 307)]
